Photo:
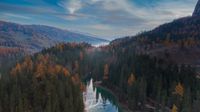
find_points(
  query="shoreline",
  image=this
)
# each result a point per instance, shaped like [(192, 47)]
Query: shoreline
[(122, 106)]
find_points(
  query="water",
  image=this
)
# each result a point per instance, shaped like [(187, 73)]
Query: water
[(101, 44), (99, 100)]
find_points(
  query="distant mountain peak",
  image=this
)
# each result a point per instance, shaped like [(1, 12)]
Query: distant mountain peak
[(197, 9)]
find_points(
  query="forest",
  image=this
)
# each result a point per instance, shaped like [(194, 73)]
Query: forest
[(51, 81), (40, 83), (143, 80)]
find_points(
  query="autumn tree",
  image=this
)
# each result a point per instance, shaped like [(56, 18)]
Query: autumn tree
[(60, 47), (28, 64), (65, 71), (40, 70), (106, 72), (16, 70), (58, 69), (167, 41), (131, 79), (75, 78), (174, 108), (179, 89)]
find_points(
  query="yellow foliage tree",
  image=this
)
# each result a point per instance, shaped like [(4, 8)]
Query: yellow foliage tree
[(60, 47), (40, 70), (58, 69), (131, 79), (179, 89), (174, 108)]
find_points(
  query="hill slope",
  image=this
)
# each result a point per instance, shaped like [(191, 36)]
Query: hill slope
[(177, 41), (36, 37)]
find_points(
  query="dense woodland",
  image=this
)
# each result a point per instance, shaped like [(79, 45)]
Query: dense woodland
[(145, 83), (9, 57), (42, 84), (180, 30), (51, 81)]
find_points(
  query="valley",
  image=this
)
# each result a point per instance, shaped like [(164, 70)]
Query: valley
[(48, 69)]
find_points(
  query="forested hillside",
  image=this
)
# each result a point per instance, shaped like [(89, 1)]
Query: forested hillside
[(44, 83), (177, 41), (156, 70), (17, 41), (149, 84), (52, 80), (9, 56)]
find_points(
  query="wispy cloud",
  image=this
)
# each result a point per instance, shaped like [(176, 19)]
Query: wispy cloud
[(16, 8), (15, 16), (106, 18), (125, 12), (100, 27)]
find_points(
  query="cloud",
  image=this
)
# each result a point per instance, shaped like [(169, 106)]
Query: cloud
[(71, 5), (127, 18), (106, 18), (127, 13), (100, 27), (15, 16), (73, 17), (26, 9)]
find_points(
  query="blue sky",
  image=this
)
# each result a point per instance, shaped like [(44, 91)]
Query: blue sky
[(107, 19)]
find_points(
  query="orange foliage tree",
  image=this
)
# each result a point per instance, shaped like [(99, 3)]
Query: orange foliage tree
[(16, 70), (179, 89), (40, 70), (131, 79)]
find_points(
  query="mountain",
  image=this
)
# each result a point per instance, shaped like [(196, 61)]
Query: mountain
[(177, 41), (36, 37), (197, 9)]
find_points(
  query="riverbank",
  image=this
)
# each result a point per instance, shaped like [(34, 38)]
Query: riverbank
[(122, 105)]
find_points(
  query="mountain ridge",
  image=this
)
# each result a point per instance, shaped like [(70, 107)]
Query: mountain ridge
[(177, 41), (37, 37)]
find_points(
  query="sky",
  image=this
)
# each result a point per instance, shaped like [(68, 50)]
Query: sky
[(106, 19)]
